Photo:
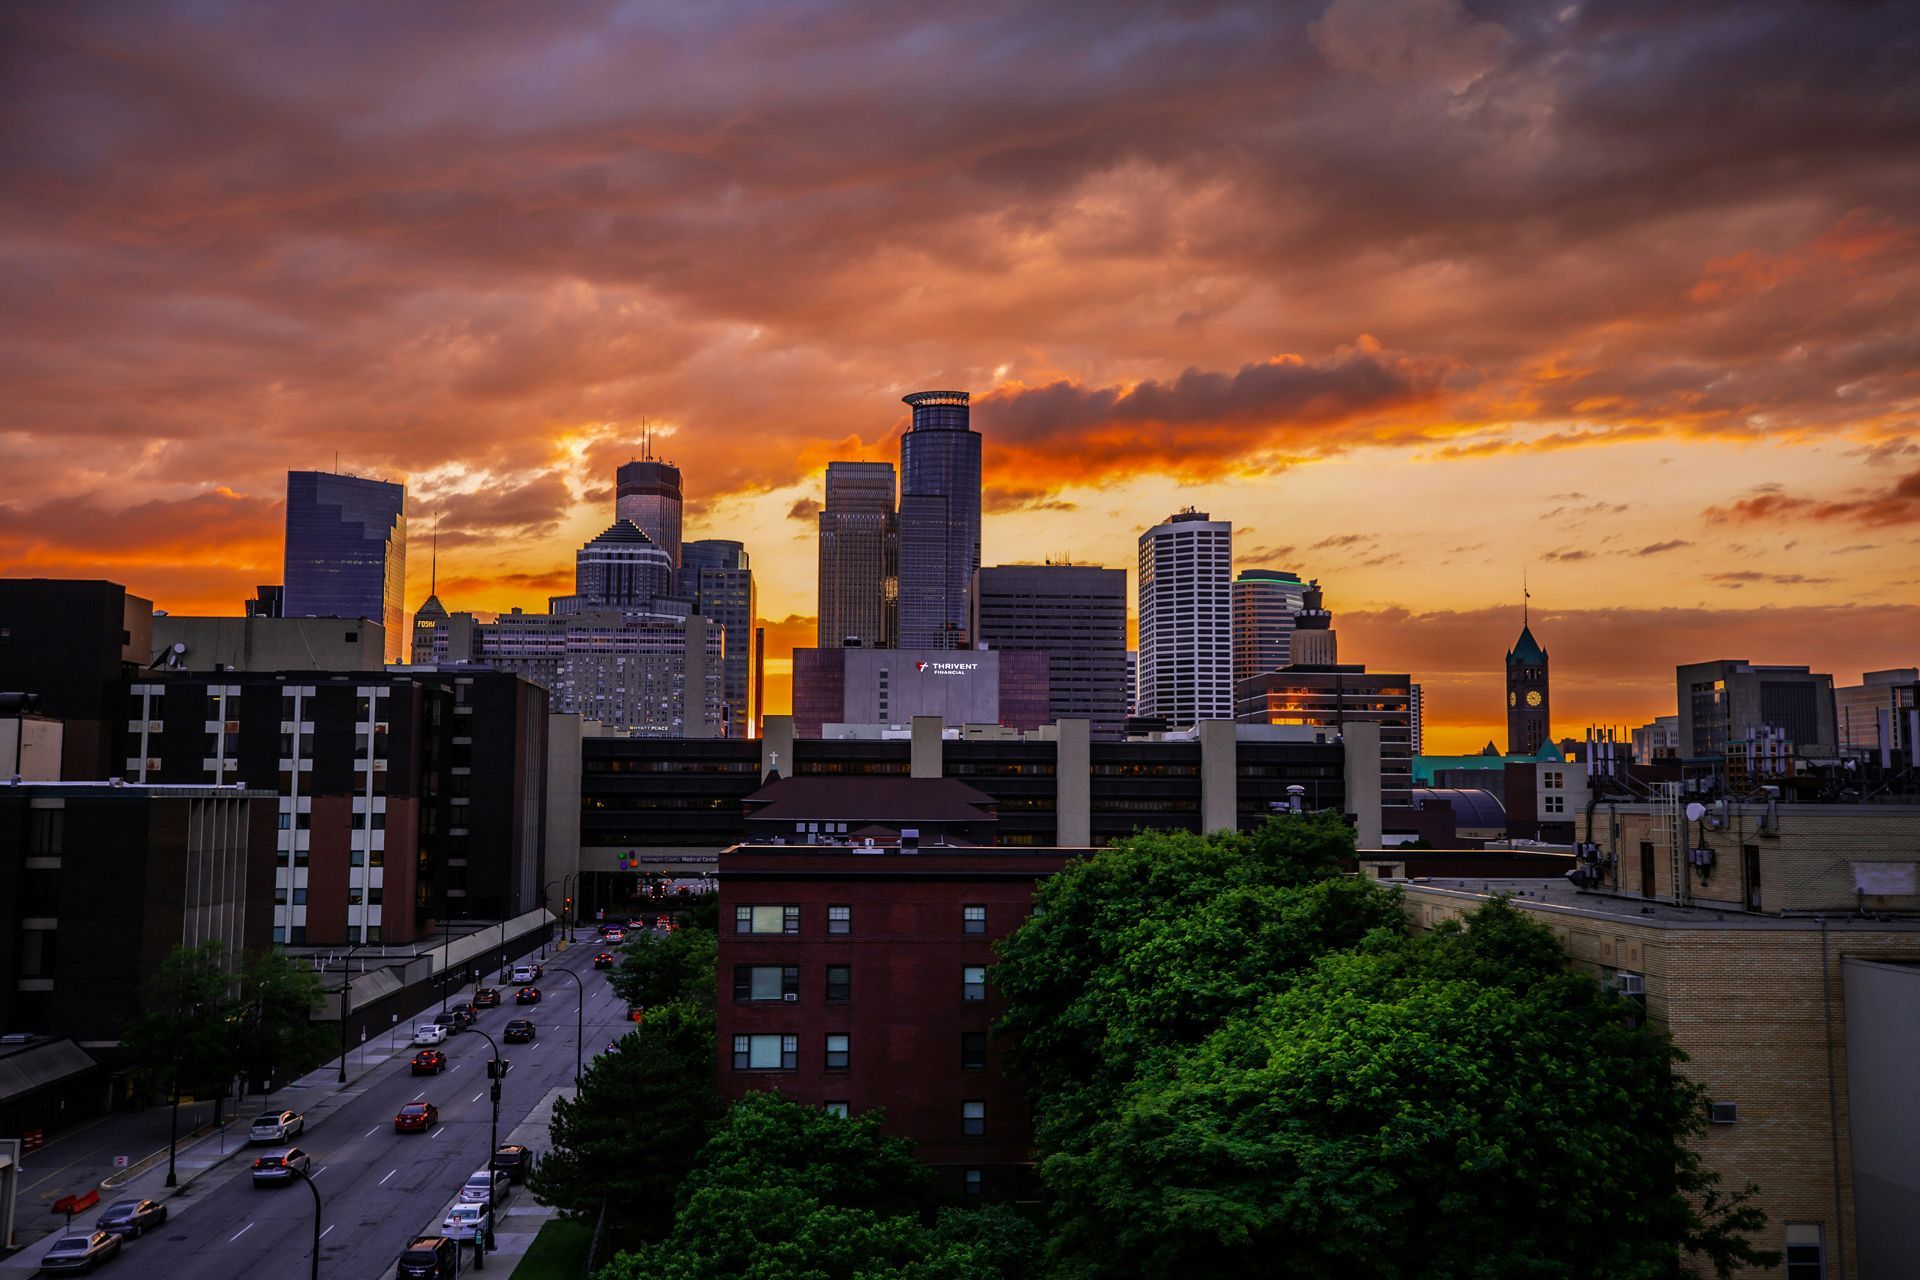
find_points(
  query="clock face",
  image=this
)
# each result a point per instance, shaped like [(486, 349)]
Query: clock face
[(1513, 699), (1533, 697)]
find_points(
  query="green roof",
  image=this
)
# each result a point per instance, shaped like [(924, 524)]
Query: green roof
[(1526, 648)]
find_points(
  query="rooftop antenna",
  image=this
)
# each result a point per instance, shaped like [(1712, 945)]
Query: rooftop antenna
[(433, 576)]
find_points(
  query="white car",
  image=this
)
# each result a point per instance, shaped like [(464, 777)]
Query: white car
[(464, 1221), (486, 1186), (277, 1126), (523, 973), (429, 1033)]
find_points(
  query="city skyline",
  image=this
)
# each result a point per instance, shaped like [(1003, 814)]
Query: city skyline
[(1417, 298)]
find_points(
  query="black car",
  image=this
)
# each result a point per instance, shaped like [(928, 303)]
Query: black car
[(467, 1013), (429, 1258), (527, 995), (132, 1217), (514, 1160), (519, 1031), (80, 1252)]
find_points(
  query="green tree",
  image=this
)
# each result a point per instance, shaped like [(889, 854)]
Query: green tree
[(678, 967), (627, 1139), (183, 1036), (275, 1037)]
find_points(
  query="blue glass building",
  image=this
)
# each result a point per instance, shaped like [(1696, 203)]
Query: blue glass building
[(347, 551), (939, 521)]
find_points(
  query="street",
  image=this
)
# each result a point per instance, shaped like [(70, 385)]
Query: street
[(378, 1188)]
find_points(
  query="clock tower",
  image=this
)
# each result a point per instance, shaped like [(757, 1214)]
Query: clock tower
[(1528, 727)]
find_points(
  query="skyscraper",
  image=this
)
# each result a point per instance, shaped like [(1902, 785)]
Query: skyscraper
[(1077, 616), (715, 575), (1186, 619), (647, 493), (1264, 604), (939, 521), (347, 551), (621, 568), (1314, 642), (1528, 724), (859, 553)]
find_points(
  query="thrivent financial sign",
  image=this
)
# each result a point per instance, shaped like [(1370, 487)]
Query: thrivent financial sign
[(946, 668)]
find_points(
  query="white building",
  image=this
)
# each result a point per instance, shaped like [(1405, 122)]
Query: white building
[(1186, 619)]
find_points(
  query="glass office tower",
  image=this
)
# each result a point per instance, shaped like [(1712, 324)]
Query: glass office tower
[(347, 551), (647, 492), (716, 574), (939, 521)]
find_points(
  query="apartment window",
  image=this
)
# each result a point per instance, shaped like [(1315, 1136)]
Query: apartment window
[(973, 1119), (973, 982), (838, 1051), (839, 1108), (839, 919), (1554, 780), (839, 983), (973, 1051), (46, 831), (300, 895), (973, 919), (1556, 804), (972, 1182), (766, 982), (783, 919), (766, 1053), (1806, 1252)]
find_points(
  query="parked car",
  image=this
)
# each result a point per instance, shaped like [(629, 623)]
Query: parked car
[(277, 1126), (485, 1186), (429, 1258), (519, 1031), (527, 995), (132, 1217), (416, 1117), (277, 1167), (467, 1013), (604, 960), (429, 1033), (514, 1160), (523, 973), (485, 998), (80, 1252), (429, 1062), (465, 1221)]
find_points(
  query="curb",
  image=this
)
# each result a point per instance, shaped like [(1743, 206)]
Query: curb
[(122, 1177)]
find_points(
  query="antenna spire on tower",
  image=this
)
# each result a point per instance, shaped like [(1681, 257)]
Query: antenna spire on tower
[(433, 576), (1525, 596)]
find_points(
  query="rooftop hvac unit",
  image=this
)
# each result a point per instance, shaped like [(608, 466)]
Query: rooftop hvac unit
[(1629, 984)]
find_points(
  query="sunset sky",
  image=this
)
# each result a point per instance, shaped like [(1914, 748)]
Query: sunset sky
[(1420, 295)]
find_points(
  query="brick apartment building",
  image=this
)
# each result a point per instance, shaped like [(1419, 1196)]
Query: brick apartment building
[(852, 979)]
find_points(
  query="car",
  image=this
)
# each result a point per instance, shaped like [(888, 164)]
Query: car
[(527, 995), (429, 1062), (465, 1221), (523, 973), (277, 1126), (485, 998), (604, 960), (132, 1217), (429, 1033), (429, 1258), (277, 1167), (616, 935), (514, 1160), (636, 923), (451, 1021), (416, 1117), (485, 1186), (467, 1013), (80, 1252), (519, 1031)]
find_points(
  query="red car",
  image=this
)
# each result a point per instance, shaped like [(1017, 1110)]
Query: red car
[(416, 1117), (486, 998), (429, 1062), (528, 995), (604, 960)]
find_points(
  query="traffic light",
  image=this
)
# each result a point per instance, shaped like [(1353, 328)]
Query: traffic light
[(497, 1068)]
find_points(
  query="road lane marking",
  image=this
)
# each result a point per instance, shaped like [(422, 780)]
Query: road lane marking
[(322, 1169), (323, 1234), (369, 1133), (476, 1097), (419, 1095), (390, 1173), (241, 1232), (456, 1066), (437, 1132)]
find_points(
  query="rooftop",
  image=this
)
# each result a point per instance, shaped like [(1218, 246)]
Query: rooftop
[(1560, 897), (868, 800)]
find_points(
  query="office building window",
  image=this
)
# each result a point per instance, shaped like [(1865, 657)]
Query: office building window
[(973, 982), (839, 1108), (839, 983), (838, 1051), (766, 982), (839, 919), (972, 1182), (1806, 1252), (973, 1050), (784, 919), (766, 1053), (973, 919), (973, 1119)]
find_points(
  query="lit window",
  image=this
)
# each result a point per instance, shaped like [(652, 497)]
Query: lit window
[(973, 981), (766, 1053), (783, 919)]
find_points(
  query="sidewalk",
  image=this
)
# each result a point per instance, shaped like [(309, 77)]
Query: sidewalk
[(520, 1219)]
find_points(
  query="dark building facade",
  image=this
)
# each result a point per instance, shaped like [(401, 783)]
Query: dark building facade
[(346, 553), (1529, 713), (939, 521), (872, 810), (1265, 603), (99, 883), (716, 575), (891, 686), (859, 557), (1077, 616), (852, 980), (1333, 697), (74, 643), (647, 494), (622, 567), (401, 797)]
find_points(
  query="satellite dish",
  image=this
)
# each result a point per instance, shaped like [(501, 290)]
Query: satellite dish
[(1696, 811)]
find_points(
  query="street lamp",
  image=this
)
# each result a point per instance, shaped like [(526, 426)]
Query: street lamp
[(579, 1025), (173, 1124), (495, 1071), (346, 1005), (313, 1187)]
